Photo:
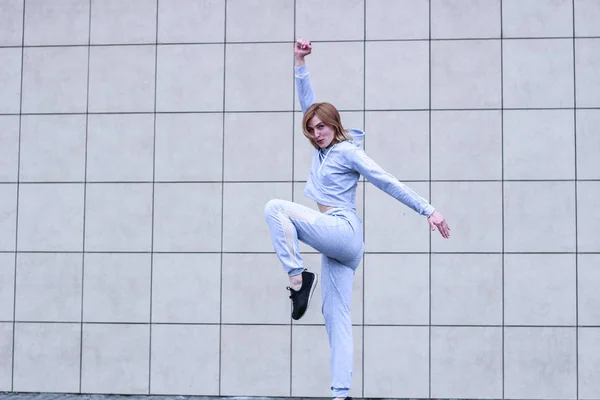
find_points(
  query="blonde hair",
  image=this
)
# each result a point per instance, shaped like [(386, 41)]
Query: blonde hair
[(330, 116)]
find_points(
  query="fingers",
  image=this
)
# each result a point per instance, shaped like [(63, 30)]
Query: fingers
[(444, 229), (303, 44)]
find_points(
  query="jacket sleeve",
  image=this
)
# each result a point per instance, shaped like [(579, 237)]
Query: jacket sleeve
[(361, 163), (306, 95)]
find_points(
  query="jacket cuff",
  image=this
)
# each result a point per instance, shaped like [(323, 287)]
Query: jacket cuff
[(301, 71), (428, 210)]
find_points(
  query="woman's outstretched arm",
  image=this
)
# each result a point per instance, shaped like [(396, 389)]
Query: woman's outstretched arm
[(306, 95), (368, 168)]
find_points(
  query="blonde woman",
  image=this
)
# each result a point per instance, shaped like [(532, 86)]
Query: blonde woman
[(336, 229)]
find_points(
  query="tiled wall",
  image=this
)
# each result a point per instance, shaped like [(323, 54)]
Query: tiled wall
[(134, 255)]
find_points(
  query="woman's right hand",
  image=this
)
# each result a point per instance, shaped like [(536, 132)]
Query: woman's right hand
[(302, 48)]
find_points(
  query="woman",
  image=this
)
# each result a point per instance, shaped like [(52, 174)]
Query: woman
[(336, 231)]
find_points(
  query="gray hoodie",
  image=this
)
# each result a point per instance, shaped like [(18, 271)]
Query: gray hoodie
[(335, 170)]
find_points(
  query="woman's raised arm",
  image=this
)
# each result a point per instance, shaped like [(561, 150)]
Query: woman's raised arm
[(306, 95)]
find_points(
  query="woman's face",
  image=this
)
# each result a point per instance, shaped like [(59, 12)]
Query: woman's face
[(322, 134)]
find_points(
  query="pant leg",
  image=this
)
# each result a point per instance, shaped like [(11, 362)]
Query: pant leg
[(291, 222), (336, 286)]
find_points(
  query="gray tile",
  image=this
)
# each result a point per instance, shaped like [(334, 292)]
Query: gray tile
[(397, 19), (255, 360), (265, 154), (185, 360), (528, 228), (181, 88), (406, 154), (337, 74), (465, 19), (466, 74), (9, 152), (531, 18), (265, 84), (10, 80), (466, 362), (303, 150), (116, 288), (276, 22), (186, 288), (588, 216), (52, 148), (389, 225), (539, 144), (6, 350), (473, 137), (188, 21), (118, 217), (587, 63), (589, 363), (244, 225), (396, 361), (314, 315), (466, 289), (539, 289), (587, 15), (121, 79), (7, 286), (483, 233), (60, 22), (47, 358), (50, 217), (179, 144), (11, 23), (120, 147), (8, 216), (269, 303), (187, 216), (397, 75), (55, 79), (311, 375), (48, 287), (528, 66), (401, 280), (546, 356), (588, 144), (115, 21), (588, 276), (115, 359), (330, 25)]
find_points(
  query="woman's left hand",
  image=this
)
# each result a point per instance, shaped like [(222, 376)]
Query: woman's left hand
[(437, 220)]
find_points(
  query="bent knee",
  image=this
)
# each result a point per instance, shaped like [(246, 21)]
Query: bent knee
[(273, 206)]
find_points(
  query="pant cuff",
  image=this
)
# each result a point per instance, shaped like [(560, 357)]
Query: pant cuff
[(339, 392)]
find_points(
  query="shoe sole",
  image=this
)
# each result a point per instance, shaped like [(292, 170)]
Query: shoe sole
[(312, 291)]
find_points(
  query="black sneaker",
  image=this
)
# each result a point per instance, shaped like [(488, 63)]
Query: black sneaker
[(301, 298)]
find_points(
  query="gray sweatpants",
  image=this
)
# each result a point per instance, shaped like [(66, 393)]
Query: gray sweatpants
[(338, 236)]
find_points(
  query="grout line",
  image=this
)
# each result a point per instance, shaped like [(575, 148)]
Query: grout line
[(234, 182), (267, 42), (293, 193), (502, 176), (307, 252), (509, 326), (14, 333), (153, 202), (576, 210), (222, 199), (280, 111), (430, 200), (364, 191), (85, 196)]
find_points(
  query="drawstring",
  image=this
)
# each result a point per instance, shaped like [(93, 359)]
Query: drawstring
[(323, 162)]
